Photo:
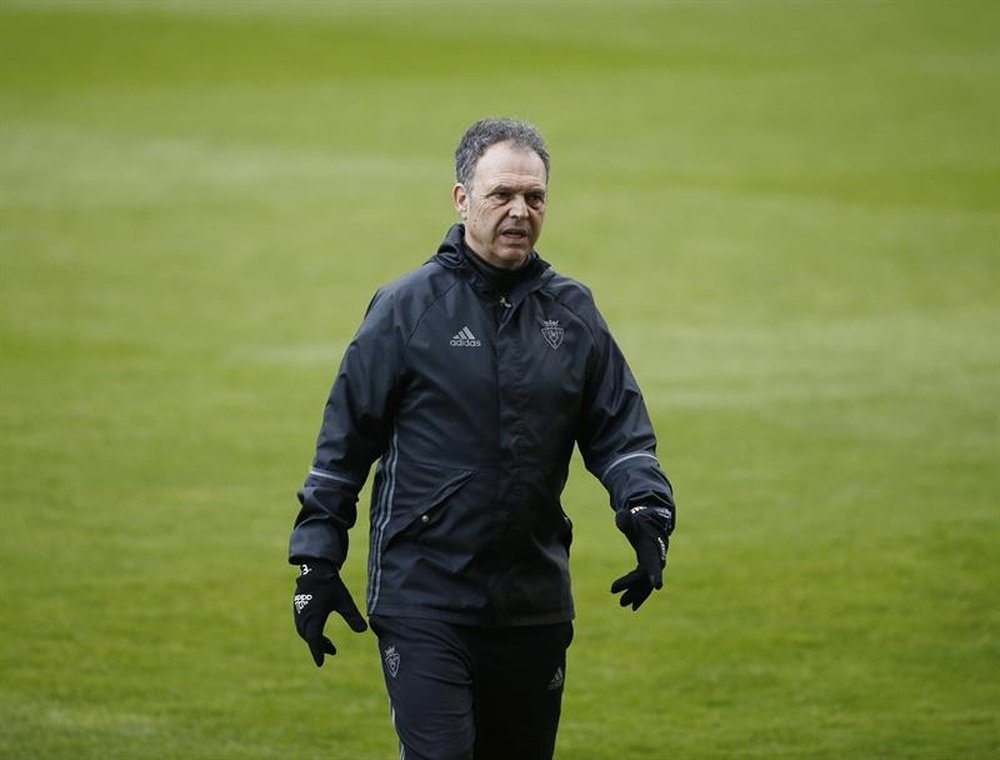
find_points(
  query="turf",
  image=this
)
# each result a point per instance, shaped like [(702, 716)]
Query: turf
[(790, 213)]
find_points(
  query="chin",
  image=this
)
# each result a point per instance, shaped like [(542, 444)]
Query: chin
[(512, 258), (515, 251)]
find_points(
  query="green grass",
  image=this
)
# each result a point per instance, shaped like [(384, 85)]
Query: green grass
[(790, 213)]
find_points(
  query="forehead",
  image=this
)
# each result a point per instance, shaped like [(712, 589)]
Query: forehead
[(507, 164)]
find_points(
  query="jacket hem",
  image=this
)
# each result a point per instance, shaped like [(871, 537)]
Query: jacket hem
[(478, 619)]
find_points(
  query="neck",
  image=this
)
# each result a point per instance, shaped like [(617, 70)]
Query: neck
[(513, 265), (500, 279)]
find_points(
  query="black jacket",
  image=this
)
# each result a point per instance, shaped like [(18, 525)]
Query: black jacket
[(472, 401)]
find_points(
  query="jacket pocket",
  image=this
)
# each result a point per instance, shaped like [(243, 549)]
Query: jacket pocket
[(428, 509)]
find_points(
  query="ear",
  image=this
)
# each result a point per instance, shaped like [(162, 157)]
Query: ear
[(460, 197)]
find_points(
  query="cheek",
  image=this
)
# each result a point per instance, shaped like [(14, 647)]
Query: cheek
[(483, 229), (486, 218)]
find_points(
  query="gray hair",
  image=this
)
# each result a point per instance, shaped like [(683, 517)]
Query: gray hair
[(488, 132)]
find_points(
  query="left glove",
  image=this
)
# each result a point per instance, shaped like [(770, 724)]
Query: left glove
[(318, 592), (648, 529)]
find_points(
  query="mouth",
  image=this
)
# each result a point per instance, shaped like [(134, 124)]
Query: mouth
[(514, 235)]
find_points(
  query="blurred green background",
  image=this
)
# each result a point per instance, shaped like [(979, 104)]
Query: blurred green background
[(790, 214)]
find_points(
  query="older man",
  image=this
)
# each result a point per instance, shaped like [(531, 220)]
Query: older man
[(470, 380)]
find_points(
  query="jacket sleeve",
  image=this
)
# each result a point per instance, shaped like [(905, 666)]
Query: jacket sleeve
[(615, 435), (356, 427)]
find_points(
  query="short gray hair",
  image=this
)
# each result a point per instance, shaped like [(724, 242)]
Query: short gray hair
[(488, 132)]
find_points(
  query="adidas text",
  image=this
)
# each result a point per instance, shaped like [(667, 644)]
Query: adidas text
[(465, 338)]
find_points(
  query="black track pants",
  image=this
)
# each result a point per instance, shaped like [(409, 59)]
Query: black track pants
[(462, 692)]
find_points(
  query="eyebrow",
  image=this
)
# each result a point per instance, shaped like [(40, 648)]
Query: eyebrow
[(513, 189)]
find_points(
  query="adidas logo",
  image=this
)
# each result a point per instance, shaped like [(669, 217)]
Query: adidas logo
[(464, 337), (301, 600), (557, 680)]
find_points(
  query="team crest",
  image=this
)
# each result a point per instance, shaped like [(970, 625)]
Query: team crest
[(552, 332), (391, 657)]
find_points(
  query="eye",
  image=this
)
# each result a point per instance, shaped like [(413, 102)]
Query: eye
[(502, 196), (536, 199)]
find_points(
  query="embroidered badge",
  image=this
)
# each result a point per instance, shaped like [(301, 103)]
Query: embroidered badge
[(552, 332), (391, 657)]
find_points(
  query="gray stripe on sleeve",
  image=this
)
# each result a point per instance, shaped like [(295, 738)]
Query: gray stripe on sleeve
[(625, 458)]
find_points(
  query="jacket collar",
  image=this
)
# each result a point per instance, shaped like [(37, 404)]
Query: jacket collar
[(451, 254)]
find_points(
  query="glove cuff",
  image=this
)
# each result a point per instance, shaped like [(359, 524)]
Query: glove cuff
[(625, 517), (318, 569)]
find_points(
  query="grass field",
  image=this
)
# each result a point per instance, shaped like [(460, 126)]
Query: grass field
[(790, 214)]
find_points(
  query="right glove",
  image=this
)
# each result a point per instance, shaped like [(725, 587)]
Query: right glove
[(318, 592)]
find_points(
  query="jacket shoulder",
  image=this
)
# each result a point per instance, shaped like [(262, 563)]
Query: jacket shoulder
[(575, 297), (426, 284), (403, 302), (414, 292), (569, 291)]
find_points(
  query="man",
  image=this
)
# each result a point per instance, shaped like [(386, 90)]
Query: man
[(470, 380)]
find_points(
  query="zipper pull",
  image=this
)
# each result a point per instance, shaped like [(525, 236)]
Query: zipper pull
[(504, 302)]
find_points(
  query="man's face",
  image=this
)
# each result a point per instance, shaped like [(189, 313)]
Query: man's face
[(504, 208)]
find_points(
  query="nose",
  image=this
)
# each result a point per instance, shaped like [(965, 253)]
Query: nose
[(518, 207)]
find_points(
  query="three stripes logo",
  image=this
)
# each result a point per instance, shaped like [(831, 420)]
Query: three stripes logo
[(466, 339), (557, 680)]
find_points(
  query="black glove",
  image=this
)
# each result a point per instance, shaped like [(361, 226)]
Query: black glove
[(318, 592), (648, 529)]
